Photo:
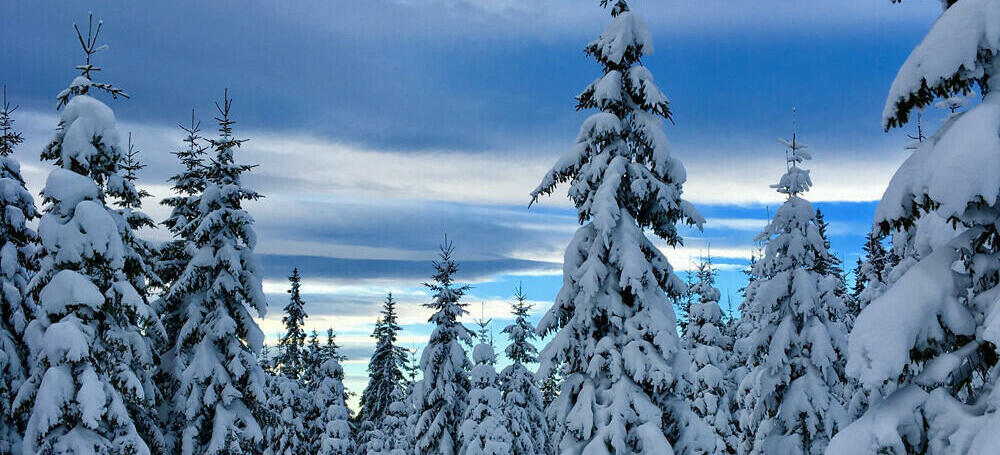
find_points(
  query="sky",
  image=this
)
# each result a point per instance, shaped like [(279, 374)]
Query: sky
[(382, 126)]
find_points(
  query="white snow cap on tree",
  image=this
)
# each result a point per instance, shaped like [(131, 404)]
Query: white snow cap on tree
[(615, 331)]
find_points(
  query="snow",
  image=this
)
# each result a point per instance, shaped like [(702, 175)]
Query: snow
[(918, 303), (950, 50), (69, 288), (627, 35), (947, 168)]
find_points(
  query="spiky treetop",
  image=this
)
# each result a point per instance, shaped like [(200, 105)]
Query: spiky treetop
[(387, 367), (292, 343), (441, 395)]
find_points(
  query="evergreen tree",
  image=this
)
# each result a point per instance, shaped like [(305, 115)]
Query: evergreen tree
[(523, 411), (222, 394), (387, 367), (90, 346), (285, 430), (291, 345), (17, 265), (792, 333), (391, 436), (711, 397), (926, 348), (440, 398), (871, 273), (330, 422), (483, 431), (174, 256), (616, 333), (187, 187), (140, 254), (331, 350)]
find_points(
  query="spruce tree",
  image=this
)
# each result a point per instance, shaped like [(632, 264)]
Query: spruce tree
[(292, 343), (926, 348), (615, 331), (140, 255), (792, 333), (90, 346), (441, 396), (871, 273), (187, 187), (523, 411), (18, 242), (483, 431), (174, 256), (711, 396), (330, 421), (222, 393), (286, 431), (387, 367), (391, 436)]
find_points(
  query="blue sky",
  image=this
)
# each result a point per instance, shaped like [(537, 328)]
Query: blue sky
[(379, 126)]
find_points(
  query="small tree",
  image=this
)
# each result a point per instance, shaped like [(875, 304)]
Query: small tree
[(483, 431), (291, 345), (711, 396), (18, 242), (387, 367), (331, 423), (523, 410), (440, 398)]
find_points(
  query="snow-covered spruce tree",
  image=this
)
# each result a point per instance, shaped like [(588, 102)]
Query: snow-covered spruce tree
[(616, 333), (331, 427), (140, 254), (288, 403), (174, 256), (927, 347), (187, 188), (711, 396), (285, 429), (483, 431), (523, 411), (90, 346), (17, 265), (292, 343), (871, 272), (831, 265), (440, 397), (222, 394), (391, 436), (387, 367), (793, 332)]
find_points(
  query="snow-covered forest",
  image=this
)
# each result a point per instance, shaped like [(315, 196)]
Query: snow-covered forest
[(112, 343)]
